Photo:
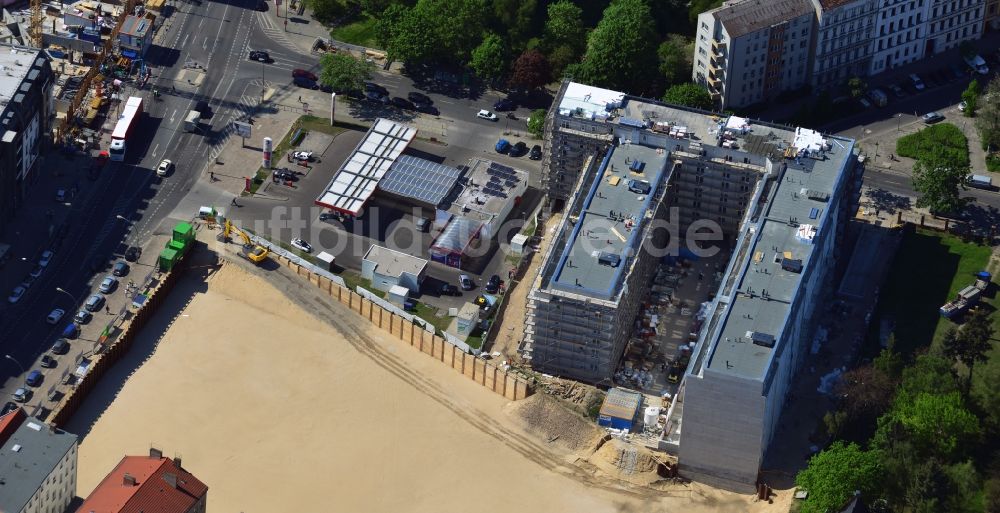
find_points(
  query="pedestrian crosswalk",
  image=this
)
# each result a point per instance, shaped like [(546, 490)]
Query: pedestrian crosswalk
[(244, 109), (269, 26)]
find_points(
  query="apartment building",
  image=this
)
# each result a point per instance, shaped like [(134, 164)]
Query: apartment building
[(749, 51), (992, 18), (780, 196), (900, 33), (145, 484), (844, 40), (951, 22), (37, 465), (26, 107)]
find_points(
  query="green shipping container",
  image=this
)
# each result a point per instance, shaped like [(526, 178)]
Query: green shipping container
[(184, 232), (168, 257), (179, 246)]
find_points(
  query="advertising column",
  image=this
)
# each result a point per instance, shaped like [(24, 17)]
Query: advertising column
[(267, 153)]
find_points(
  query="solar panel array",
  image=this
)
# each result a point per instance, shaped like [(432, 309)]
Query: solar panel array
[(420, 179), (501, 178)]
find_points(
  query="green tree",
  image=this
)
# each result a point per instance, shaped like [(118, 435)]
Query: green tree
[(536, 122), (560, 58), (675, 56), (964, 488), (988, 118), (939, 177), (387, 25), (930, 374), (426, 32), (970, 345), (889, 361), (865, 393), (531, 71), (697, 7), (564, 27), (835, 474), (621, 51), (374, 8), (326, 11), (344, 72), (690, 95), (489, 59), (857, 86), (971, 98), (938, 425), (991, 490), (517, 20)]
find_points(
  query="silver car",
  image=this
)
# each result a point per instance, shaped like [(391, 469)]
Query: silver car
[(108, 285)]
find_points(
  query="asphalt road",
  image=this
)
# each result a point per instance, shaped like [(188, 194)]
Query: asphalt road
[(216, 36)]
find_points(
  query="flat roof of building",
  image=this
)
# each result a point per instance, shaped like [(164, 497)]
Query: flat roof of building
[(598, 252), (137, 26), (489, 187), (779, 250), (621, 404), (16, 62), (588, 101), (27, 458), (422, 180), (355, 181), (747, 16), (389, 262)]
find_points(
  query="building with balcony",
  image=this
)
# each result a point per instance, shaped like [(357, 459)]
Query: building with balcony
[(749, 51), (37, 465), (779, 196), (844, 40), (900, 33)]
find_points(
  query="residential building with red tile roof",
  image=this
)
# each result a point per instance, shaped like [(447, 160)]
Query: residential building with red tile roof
[(147, 484)]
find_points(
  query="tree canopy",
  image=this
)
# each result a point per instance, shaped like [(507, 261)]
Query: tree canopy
[(536, 122), (675, 56), (432, 30), (938, 176), (690, 95), (489, 59), (531, 71), (621, 50), (343, 72), (988, 116), (835, 474), (970, 345)]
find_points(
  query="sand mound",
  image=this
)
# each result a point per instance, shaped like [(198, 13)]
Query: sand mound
[(628, 462), (543, 416)]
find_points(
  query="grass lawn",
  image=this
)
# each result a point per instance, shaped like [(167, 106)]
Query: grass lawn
[(929, 269), (430, 314), (361, 33)]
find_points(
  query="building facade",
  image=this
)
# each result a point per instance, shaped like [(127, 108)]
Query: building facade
[(749, 51), (25, 120), (992, 18), (844, 44), (951, 22), (37, 465)]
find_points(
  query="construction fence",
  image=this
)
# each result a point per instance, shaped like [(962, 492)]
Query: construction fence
[(484, 372)]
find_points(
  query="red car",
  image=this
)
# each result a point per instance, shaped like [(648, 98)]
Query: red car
[(301, 73)]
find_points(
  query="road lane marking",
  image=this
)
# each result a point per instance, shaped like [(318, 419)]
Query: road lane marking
[(204, 45), (185, 42), (172, 115)]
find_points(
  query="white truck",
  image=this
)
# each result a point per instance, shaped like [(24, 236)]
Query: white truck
[(977, 63), (192, 121), (980, 182), (878, 97)]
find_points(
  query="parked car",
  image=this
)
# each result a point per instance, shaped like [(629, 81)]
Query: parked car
[(45, 258), (504, 104), (34, 378), (16, 294), (164, 168), (493, 285), (305, 82), (36, 272), (284, 175), (108, 284), (94, 303), (303, 155), (327, 216), (519, 149), (897, 91), (82, 317), (419, 98), (55, 315), (21, 394), (260, 56), (917, 82), (302, 245), (448, 289), (131, 254), (962, 106), (536, 153), (403, 103), (487, 115), (427, 109), (61, 346), (9, 407), (931, 117), (376, 97), (957, 71), (502, 146), (978, 64), (120, 269), (72, 330), (60, 195), (466, 282), (301, 73), (372, 86), (47, 361), (865, 103)]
